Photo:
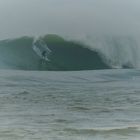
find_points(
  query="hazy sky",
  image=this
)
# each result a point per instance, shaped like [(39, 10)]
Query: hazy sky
[(69, 17)]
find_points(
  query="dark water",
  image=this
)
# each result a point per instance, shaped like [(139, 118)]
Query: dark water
[(87, 105)]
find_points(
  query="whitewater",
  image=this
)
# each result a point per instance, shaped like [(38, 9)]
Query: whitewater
[(79, 105)]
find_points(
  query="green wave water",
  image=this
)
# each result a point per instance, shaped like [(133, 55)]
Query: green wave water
[(64, 55)]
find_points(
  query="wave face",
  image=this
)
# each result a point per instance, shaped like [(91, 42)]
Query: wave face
[(52, 52), (49, 52)]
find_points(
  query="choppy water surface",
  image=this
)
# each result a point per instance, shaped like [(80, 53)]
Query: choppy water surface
[(86, 105)]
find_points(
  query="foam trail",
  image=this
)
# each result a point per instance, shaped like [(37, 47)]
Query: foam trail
[(39, 46)]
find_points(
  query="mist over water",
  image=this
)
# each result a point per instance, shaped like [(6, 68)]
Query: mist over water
[(90, 17)]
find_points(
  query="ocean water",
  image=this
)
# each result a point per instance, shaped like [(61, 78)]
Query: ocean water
[(69, 70), (76, 105)]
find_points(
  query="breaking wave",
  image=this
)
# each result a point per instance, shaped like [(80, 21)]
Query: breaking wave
[(52, 52)]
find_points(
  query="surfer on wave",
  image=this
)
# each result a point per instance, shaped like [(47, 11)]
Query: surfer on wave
[(44, 53)]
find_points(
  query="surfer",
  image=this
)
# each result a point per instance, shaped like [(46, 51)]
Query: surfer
[(43, 54)]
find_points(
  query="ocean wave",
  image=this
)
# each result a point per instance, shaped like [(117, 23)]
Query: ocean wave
[(52, 52)]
